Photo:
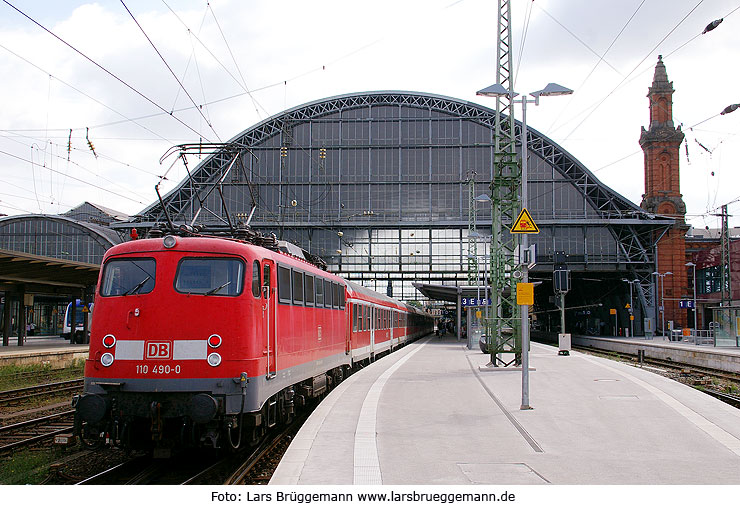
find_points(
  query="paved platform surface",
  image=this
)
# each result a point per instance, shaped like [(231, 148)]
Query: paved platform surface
[(40, 349), (427, 415)]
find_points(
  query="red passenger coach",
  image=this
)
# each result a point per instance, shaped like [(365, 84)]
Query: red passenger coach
[(207, 341)]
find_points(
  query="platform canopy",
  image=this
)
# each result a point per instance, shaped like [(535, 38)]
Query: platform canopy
[(40, 273), (450, 293)]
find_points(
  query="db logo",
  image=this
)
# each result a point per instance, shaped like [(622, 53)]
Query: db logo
[(158, 350)]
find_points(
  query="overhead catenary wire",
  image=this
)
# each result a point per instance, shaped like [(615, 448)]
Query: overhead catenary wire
[(600, 103), (200, 111), (600, 60), (118, 194), (242, 85), (101, 67), (90, 97)]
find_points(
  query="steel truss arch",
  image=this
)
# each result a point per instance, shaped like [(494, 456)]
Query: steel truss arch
[(635, 239)]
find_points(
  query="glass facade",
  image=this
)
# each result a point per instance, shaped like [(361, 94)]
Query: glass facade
[(57, 237), (376, 185)]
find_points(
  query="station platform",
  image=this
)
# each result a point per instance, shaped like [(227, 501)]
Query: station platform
[(722, 358), (54, 350), (432, 413)]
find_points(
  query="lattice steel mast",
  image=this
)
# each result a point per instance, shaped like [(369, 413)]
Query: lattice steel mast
[(473, 270), (503, 322)]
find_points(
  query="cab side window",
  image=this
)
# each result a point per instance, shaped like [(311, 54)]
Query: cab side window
[(256, 279)]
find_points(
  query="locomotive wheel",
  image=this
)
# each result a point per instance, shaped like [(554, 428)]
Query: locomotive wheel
[(284, 414), (255, 435)]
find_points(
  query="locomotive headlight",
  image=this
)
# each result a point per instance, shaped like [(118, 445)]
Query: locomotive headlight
[(109, 341), (214, 359), (169, 241), (106, 359), (214, 340)]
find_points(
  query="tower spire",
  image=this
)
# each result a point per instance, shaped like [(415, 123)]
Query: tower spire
[(660, 143)]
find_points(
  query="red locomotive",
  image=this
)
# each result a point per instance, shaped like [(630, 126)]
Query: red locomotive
[(208, 341)]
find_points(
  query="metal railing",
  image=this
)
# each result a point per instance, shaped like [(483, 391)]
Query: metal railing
[(698, 337)]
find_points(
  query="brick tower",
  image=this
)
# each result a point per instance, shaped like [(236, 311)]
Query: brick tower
[(660, 144)]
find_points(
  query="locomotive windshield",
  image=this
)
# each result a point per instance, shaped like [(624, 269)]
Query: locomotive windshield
[(123, 277), (210, 276)]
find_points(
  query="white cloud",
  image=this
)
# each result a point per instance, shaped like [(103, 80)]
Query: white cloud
[(331, 47)]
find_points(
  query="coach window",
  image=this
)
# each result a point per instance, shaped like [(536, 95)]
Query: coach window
[(327, 293), (319, 286), (368, 315), (309, 294), (335, 301), (361, 318), (256, 283), (284, 284), (354, 317), (298, 287), (341, 297)]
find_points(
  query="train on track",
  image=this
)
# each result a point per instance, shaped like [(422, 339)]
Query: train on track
[(206, 341)]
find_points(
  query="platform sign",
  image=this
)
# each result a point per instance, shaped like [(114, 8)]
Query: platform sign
[(686, 303), (474, 301), (612, 311), (525, 293), (524, 224)]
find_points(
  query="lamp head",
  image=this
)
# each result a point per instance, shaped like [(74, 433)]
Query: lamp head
[(551, 90), (495, 90)]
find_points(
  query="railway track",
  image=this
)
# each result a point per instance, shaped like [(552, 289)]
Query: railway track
[(731, 399), (242, 469), (668, 364), (202, 467), (46, 375), (30, 432), (693, 375), (134, 471), (19, 396)]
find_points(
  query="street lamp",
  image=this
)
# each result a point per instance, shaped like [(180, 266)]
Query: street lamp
[(662, 305), (693, 266), (497, 90), (632, 310)]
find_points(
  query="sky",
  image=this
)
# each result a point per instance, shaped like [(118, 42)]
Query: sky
[(132, 78)]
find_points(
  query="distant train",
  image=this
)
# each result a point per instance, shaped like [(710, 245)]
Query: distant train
[(79, 324), (207, 341)]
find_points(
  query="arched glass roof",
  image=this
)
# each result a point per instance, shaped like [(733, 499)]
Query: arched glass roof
[(377, 185)]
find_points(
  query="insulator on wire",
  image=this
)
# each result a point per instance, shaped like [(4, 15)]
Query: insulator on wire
[(730, 109), (712, 25), (89, 143)]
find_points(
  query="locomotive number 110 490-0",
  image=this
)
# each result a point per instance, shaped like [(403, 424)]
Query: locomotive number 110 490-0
[(157, 369)]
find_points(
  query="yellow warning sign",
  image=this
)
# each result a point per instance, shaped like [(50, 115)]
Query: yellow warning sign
[(525, 293), (524, 224)]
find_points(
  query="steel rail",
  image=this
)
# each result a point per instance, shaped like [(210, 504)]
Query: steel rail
[(40, 390), (7, 431)]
